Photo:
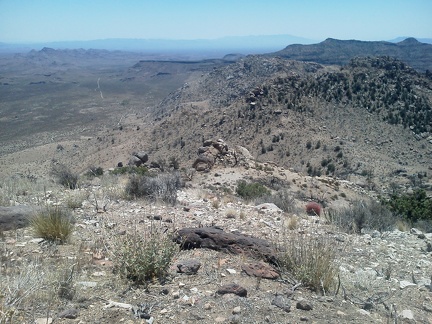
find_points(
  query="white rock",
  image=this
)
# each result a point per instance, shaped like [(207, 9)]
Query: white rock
[(403, 284), (236, 310), (231, 271), (407, 314)]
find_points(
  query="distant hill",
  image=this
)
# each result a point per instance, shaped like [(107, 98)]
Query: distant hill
[(333, 51), (255, 44)]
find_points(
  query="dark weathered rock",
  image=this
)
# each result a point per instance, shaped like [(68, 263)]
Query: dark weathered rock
[(216, 239), (143, 156), (15, 217), (190, 266), (69, 313), (232, 289), (134, 161), (304, 305), (260, 270), (282, 303)]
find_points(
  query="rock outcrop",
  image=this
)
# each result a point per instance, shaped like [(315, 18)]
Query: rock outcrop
[(216, 152), (216, 239), (15, 217)]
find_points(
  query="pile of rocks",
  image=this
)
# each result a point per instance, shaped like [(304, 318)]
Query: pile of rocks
[(216, 152)]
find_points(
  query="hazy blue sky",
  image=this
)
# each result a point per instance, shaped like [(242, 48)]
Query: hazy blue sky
[(57, 20)]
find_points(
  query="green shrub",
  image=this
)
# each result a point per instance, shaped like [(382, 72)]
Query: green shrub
[(52, 224), (310, 259), (251, 191), (413, 207), (65, 176), (160, 187), (142, 258), (94, 172), (141, 170)]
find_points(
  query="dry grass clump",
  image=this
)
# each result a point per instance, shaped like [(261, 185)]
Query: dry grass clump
[(231, 213), (292, 222), (310, 259), (75, 199), (144, 257), (53, 224), (363, 216)]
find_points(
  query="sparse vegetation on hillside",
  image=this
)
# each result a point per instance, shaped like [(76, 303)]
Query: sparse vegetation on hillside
[(363, 215), (65, 176), (159, 187), (413, 207)]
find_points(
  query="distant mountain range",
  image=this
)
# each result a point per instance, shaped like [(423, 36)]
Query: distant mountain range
[(333, 51), (215, 47)]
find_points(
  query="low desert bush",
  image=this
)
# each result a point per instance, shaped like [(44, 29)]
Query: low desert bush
[(53, 224), (16, 289), (160, 187), (143, 258), (310, 259), (65, 176), (249, 191), (363, 216)]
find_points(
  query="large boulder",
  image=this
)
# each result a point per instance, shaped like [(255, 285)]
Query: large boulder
[(216, 239), (138, 158), (15, 217)]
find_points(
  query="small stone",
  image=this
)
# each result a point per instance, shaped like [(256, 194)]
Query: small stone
[(87, 284), (164, 311), (404, 284), (69, 313), (181, 284), (207, 306), (232, 289), (304, 319), (44, 320), (220, 319), (304, 305), (260, 270), (427, 307), (231, 271), (415, 231), (340, 313), (190, 266), (194, 290), (176, 294), (279, 301), (157, 217), (363, 312), (234, 319), (407, 314), (236, 310)]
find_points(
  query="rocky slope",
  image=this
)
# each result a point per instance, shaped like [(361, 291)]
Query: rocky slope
[(340, 52), (383, 277), (371, 117)]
